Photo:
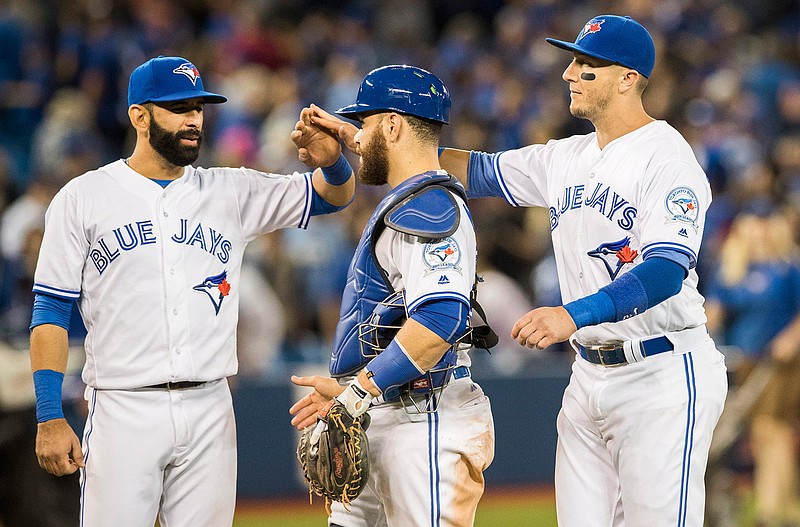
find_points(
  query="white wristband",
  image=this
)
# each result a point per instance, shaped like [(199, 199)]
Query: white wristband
[(355, 399)]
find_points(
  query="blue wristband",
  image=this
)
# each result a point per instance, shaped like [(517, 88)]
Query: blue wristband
[(392, 368), (47, 385), (338, 173), (591, 310)]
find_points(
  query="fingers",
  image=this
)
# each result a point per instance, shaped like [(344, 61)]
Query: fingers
[(306, 417), (347, 136), (76, 454), (302, 403), (305, 381), (521, 323)]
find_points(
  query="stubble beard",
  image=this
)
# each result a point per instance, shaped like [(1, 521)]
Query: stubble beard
[(594, 111)]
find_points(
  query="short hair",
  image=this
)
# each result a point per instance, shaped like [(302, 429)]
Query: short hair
[(427, 131)]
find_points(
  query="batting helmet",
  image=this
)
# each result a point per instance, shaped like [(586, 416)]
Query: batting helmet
[(403, 89)]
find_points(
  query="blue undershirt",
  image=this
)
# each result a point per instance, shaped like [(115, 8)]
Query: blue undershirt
[(51, 310)]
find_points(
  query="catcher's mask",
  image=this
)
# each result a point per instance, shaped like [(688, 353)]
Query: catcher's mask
[(420, 395)]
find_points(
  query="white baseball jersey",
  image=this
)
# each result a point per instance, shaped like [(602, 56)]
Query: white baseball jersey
[(433, 270), (156, 270), (609, 208)]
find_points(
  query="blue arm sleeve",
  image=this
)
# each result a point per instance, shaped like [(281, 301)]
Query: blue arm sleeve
[(481, 177), (320, 206), (445, 316), (51, 310), (646, 285)]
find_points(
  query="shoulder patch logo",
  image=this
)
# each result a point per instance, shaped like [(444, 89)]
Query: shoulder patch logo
[(682, 206), (683, 233), (188, 69), (442, 254), (615, 255), (443, 280), (216, 288)]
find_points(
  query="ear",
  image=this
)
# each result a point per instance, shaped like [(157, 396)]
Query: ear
[(628, 80), (139, 117), (392, 127)]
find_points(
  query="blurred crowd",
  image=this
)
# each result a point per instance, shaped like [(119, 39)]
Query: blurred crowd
[(727, 76)]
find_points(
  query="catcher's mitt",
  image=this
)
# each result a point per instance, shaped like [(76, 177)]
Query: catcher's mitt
[(333, 454)]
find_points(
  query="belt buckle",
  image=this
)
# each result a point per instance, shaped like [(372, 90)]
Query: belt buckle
[(606, 347)]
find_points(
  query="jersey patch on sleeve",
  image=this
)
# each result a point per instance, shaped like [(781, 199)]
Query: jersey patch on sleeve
[(682, 206), (442, 254)]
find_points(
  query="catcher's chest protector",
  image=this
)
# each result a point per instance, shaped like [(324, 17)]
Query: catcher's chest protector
[(367, 283)]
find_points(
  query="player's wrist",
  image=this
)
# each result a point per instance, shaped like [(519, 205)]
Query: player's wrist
[(47, 385), (355, 398), (338, 173)]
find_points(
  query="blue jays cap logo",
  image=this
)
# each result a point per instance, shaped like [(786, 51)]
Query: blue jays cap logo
[(442, 254), (592, 26), (216, 288), (683, 206), (615, 255), (188, 69)]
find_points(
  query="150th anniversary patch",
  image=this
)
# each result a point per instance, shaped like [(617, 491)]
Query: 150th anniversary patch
[(682, 206), (442, 254)]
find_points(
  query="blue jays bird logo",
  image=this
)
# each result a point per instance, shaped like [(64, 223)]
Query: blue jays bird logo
[(188, 69), (614, 255), (682, 206), (592, 26), (216, 287), (442, 254)]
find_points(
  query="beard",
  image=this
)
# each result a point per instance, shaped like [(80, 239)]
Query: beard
[(169, 146), (374, 169)]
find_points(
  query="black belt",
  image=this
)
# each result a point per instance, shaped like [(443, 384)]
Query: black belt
[(180, 385), (614, 355)]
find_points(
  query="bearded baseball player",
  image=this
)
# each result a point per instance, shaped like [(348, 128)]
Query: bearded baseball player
[(627, 207), (151, 249), (400, 346)]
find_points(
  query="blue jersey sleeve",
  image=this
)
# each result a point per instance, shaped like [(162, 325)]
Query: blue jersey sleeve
[(481, 176), (48, 309), (445, 316), (320, 206)]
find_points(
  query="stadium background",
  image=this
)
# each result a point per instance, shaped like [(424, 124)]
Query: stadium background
[(727, 76)]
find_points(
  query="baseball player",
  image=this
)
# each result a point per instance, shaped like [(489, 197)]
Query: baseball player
[(627, 207), (151, 249), (431, 434)]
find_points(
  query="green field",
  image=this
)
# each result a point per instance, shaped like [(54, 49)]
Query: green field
[(515, 509)]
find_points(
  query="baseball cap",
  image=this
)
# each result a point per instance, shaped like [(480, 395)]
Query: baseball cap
[(163, 79), (618, 39)]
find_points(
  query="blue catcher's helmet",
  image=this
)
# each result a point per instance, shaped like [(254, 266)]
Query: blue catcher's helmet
[(403, 89)]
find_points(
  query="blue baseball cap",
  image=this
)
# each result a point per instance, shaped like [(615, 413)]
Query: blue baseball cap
[(618, 39), (165, 79)]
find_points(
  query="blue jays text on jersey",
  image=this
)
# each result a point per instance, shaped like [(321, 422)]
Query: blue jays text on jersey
[(602, 197), (139, 233)]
